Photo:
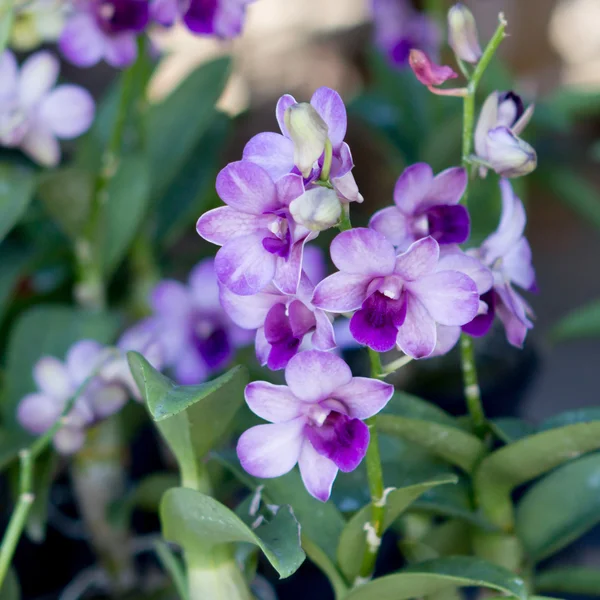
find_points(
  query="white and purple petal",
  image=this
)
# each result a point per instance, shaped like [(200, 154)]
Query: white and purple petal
[(363, 397), (420, 259), (363, 251), (274, 403)]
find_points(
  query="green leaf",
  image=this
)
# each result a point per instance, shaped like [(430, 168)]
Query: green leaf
[(14, 261), (431, 577), (352, 543), (17, 184), (66, 195), (44, 470), (571, 417), (128, 195), (583, 581), (178, 122), (41, 331), (197, 523), (413, 407), (192, 419), (447, 442), (560, 508), (10, 590), (193, 190), (503, 470), (7, 17), (173, 566), (511, 429), (321, 523), (583, 322)]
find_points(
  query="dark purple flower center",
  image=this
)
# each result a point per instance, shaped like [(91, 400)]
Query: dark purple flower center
[(118, 16), (510, 109), (200, 16), (212, 342), (446, 224), (279, 241), (401, 50), (376, 323), (285, 328), (481, 324), (340, 438)]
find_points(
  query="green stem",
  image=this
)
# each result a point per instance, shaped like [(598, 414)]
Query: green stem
[(376, 488), (345, 224), (395, 365), (469, 368), (327, 161)]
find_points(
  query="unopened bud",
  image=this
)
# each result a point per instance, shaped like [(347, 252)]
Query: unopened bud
[(508, 154), (462, 33), (309, 134), (317, 209)]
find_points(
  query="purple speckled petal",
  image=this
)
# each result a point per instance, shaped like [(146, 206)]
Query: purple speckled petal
[(412, 187), (289, 187), (482, 323), (330, 106), (417, 336), (449, 224), (82, 42), (282, 105), (419, 260), (340, 439), (362, 397), (273, 152), (450, 297), (221, 224), (170, 297), (274, 403), (363, 251), (271, 450), (394, 225), (38, 412), (68, 111), (247, 187), (38, 76), (454, 259), (324, 337), (244, 266), (318, 472), (341, 292), (447, 187), (517, 266), (314, 376)]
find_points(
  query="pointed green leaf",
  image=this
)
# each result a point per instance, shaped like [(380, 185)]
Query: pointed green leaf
[(192, 419), (45, 470), (560, 508), (173, 566), (17, 184), (503, 470), (352, 543), (197, 523), (583, 581), (440, 574), (511, 429), (447, 442)]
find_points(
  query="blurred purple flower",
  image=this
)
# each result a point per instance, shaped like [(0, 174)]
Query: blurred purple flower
[(399, 28), (104, 29), (315, 421), (398, 299), (284, 324), (274, 152), (260, 241), (34, 114), (57, 382), (508, 254), (196, 336), (425, 205)]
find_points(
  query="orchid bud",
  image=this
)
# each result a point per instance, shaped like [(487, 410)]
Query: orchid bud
[(317, 209), (508, 154), (309, 134), (428, 72), (462, 33)]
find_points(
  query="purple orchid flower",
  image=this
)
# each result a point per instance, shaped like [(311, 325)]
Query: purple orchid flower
[(104, 29), (399, 28), (34, 114), (57, 382), (196, 336), (425, 205), (508, 255), (284, 324), (398, 299), (275, 151), (316, 420), (260, 241)]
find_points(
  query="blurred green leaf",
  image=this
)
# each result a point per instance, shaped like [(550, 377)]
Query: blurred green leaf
[(571, 417), (352, 543), (511, 429), (7, 17), (407, 405), (14, 261), (503, 470), (17, 184), (198, 523), (583, 322), (10, 590), (46, 330), (66, 195), (173, 566), (44, 471), (192, 419), (128, 196), (431, 577), (447, 442), (583, 581), (560, 508), (176, 124), (193, 190)]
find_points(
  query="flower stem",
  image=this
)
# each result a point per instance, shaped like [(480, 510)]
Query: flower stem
[(327, 161), (374, 529), (469, 368), (345, 224)]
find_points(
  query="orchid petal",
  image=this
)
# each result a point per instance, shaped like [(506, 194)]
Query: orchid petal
[(394, 225), (274, 403), (38, 76), (38, 412), (52, 378), (318, 472), (341, 292), (412, 187), (330, 106), (363, 251), (68, 111), (82, 42), (272, 151), (363, 397), (417, 336), (282, 105), (420, 259)]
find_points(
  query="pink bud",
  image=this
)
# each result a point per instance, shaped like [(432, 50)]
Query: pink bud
[(431, 74)]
